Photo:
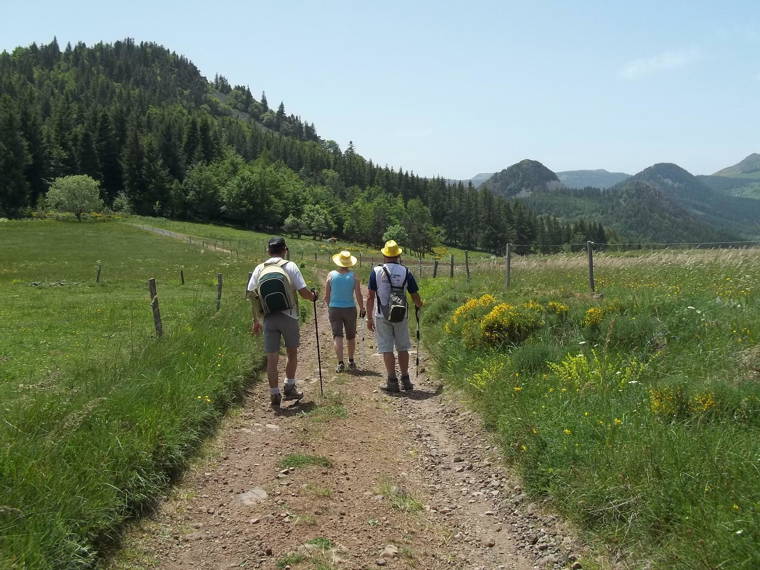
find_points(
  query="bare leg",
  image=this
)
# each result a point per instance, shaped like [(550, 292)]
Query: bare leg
[(403, 361), (338, 340), (292, 364), (390, 363), (272, 360), (351, 347)]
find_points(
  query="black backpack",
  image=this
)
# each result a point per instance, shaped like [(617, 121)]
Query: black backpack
[(395, 310), (274, 289)]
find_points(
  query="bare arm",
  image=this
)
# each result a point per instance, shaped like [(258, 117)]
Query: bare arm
[(307, 294), (370, 309), (417, 300), (255, 313), (358, 293), (328, 289)]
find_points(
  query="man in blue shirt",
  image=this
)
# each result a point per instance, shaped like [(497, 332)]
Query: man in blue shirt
[(387, 334)]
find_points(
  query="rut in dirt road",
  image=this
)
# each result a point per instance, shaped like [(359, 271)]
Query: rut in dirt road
[(357, 479)]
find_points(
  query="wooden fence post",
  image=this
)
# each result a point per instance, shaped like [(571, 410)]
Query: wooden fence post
[(315, 256), (451, 267), (219, 283), (97, 275), (508, 264), (154, 305), (182, 276), (467, 263), (590, 252), (250, 274), (435, 269), (419, 270)]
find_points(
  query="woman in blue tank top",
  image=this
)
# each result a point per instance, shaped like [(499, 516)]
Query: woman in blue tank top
[(340, 290)]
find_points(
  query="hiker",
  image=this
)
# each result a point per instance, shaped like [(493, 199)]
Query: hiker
[(341, 288), (388, 283), (272, 290)]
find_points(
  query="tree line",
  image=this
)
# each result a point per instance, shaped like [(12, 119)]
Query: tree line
[(162, 140)]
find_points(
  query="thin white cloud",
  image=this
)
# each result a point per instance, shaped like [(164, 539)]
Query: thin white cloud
[(664, 61)]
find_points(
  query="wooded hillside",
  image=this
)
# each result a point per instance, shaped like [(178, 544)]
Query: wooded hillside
[(156, 134)]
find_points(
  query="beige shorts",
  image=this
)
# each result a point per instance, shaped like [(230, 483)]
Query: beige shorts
[(389, 334), (343, 317), (280, 325)]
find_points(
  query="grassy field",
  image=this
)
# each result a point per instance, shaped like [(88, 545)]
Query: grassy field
[(637, 413), (97, 414), (301, 250)]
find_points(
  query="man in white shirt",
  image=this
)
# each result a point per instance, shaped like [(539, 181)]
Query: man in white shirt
[(283, 324), (387, 334)]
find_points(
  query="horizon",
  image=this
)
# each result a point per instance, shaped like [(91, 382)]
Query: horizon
[(450, 92)]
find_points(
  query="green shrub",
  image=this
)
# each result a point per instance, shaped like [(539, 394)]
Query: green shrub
[(532, 358)]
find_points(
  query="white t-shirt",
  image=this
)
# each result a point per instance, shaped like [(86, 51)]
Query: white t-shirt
[(296, 279), (397, 272)]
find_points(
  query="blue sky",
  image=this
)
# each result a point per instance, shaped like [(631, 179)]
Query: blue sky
[(456, 88)]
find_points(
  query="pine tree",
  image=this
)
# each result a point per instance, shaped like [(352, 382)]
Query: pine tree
[(135, 184), (37, 171), (107, 148), (14, 158), (87, 157)]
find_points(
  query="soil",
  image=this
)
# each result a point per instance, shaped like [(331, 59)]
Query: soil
[(407, 481)]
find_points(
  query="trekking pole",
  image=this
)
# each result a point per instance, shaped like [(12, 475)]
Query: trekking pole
[(417, 365), (316, 331)]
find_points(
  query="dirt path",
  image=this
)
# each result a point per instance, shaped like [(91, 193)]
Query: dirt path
[(204, 242), (413, 481)]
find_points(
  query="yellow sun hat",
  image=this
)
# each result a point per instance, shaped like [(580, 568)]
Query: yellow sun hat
[(391, 249), (344, 259)]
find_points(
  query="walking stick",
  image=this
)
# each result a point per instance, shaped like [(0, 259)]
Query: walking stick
[(316, 331), (417, 316)]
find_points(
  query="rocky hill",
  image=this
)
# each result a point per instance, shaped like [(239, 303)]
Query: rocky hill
[(522, 179)]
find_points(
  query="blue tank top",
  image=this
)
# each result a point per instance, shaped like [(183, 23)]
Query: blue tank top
[(342, 290)]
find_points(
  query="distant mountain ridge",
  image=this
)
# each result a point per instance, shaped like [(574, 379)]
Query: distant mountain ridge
[(747, 168), (599, 178), (663, 203)]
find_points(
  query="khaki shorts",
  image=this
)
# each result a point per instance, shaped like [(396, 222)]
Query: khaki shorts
[(341, 317), (280, 324), (389, 334)]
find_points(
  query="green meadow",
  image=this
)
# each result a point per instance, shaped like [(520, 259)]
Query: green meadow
[(302, 249), (636, 412), (98, 415)]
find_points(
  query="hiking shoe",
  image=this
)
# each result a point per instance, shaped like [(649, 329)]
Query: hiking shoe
[(392, 385), (275, 400), (406, 383), (291, 393), (352, 366), (340, 367)]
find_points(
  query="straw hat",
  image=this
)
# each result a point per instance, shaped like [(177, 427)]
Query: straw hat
[(344, 259), (391, 249)]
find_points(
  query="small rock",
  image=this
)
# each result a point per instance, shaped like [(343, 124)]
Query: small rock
[(390, 551), (576, 566), (252, 497), (380, 562), (490, 543)]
